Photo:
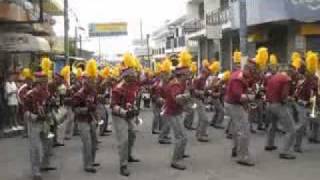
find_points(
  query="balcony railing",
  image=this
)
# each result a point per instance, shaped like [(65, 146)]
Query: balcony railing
[(194, 25), (222, 16)]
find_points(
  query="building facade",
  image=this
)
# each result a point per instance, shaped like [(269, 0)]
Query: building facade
[(281, 26)]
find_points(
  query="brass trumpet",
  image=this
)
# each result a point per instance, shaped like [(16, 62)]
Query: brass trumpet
[(313, 113)]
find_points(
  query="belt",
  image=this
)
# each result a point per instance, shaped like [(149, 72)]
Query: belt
[(303, 103)]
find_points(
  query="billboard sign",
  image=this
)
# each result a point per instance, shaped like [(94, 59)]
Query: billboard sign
[(108, 29)]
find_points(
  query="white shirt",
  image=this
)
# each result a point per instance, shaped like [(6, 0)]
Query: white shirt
[(11, 91)]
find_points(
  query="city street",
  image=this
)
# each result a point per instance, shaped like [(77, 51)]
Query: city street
[(209, 161)]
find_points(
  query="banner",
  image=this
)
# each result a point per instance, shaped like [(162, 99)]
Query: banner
[(108, 29), (304, 10)]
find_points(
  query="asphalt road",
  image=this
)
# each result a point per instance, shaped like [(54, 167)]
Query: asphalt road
[(209, 161)]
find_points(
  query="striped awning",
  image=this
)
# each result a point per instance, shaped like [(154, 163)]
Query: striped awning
[(53, 7)]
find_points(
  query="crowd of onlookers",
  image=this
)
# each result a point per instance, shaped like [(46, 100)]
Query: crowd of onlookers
[(10, 118)]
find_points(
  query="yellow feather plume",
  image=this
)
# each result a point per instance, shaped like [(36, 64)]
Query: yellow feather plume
[(296, 60), (185, 59), (312, 61), (115, 72), (273, 59), (105, 72), (194, 68), (27, 73), (158, 67), (65, 72), (214, 67), (262, 58), (237, 57), (79, 72), (166, 66), (92, 68), (129, 61), (226, 75), (46, 65), (205, 63)]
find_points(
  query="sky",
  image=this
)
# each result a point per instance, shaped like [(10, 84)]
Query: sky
[(153, 14)]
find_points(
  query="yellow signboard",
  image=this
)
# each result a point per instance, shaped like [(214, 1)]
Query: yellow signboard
[(108, 29)]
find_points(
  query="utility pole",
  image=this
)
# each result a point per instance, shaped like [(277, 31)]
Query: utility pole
[(66, 31), (243, 31), (148, 48)]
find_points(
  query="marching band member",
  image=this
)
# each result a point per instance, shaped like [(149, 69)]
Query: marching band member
[(27, 86), (124, 112), (307, 88), (85, 104), (102, 111), (199, 91), (75, 86), (36, 101), (157, 102), (216, 87), (165, 76), (176, 98), (277, 96), (236, 98)]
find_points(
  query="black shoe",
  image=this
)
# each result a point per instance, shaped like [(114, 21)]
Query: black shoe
[(37, 178), (108, 131), (58, 145), (124, 171), (90, 170), (203, 139), (165, 142), (234, 152), (218, 127), (133, 160), (96, 164), (103, 134), (287, 156), (270, 148), (178, 166), (314, 141), (155, 132), (190, 128), (245, 163), (185, 156), (261, 128), (46, 169), (99, 142), (253, 131), (229, 136), (67, 139), (298, 150)]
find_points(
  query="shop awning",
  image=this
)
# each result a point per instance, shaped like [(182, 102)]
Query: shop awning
[(20, 42), (53, 7)]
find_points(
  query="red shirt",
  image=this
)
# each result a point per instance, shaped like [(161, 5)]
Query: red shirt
[(36, 99), (22, 92), (170, 91), (124, 93), (310, 84), (88, 99), (235, 88), (278, 87), (155, 90), (199, 83)]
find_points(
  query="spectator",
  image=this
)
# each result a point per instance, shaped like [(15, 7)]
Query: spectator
[(12, 102)]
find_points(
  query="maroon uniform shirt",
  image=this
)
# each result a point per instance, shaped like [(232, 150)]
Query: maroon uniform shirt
[(36, 99), (85, 98), (278, 88), (235, 88), (124, 94), (305, 91), (199, 83), (170, 92), (22, 92)]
